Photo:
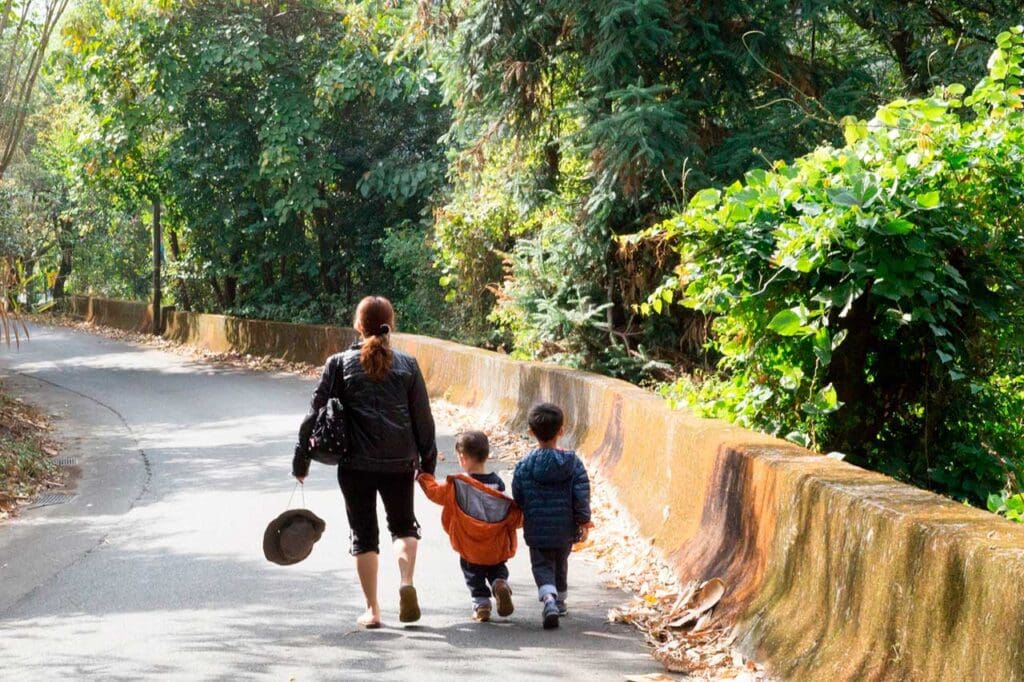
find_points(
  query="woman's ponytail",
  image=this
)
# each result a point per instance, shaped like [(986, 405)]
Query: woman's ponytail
[(374, 318)]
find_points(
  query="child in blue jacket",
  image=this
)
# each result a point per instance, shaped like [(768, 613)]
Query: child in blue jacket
[(553, 490)]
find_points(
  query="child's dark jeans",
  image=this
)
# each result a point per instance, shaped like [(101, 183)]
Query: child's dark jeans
[(480, 579), (551, 571)]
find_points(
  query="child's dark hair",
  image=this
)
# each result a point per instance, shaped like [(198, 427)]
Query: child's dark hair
[(473, 444), (545, 421)]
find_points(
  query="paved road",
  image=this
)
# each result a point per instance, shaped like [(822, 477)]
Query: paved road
[(155, 569)]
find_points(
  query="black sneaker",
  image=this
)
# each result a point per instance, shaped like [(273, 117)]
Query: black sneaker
[(550, 615), (563, 610)]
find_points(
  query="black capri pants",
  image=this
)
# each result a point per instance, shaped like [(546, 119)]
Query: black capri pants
[(360, 489)]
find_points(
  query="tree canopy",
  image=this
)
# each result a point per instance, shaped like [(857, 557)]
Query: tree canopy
[(795, 215)]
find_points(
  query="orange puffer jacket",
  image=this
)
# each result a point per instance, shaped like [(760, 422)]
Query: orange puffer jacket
[(480, 521)]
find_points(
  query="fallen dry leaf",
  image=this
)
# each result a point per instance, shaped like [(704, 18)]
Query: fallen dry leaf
[(26, 452), (660, 600)]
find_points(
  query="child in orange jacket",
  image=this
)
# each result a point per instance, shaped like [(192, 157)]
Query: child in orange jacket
[(481, 523)]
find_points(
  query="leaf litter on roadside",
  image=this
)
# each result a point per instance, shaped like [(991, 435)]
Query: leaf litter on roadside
[(678, 620), (26, 455)]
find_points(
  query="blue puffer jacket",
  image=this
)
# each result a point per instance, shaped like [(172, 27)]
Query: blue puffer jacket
[(553, 490)]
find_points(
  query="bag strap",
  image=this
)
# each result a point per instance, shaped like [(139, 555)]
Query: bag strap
[(300, 487), (334, 379)]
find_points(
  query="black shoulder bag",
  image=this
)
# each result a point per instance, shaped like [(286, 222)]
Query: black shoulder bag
[(328, 442)]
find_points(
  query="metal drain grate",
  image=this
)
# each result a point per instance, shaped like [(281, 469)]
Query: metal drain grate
[(66, 461), (51, 499)]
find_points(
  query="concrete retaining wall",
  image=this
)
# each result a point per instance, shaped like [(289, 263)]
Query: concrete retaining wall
[(292, 342), (834, 572), (126, 315)]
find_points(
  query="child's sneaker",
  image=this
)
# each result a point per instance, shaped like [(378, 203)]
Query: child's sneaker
[(503, 595), (563, 610), (550, 614), (482, 613)]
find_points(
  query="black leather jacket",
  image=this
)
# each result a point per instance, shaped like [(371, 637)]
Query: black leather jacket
[(389, 422)]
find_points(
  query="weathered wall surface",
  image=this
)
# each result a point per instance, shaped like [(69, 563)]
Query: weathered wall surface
[(127, 315), (292, 342), (834, 572), (218, 333)]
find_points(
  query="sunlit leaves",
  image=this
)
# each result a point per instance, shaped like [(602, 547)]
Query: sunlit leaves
[(706, 198), (285, 145), (897, 226), (789, 323), (881, 270), (927, 200)]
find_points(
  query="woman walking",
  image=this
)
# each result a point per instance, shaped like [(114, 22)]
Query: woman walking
[(391, 437)]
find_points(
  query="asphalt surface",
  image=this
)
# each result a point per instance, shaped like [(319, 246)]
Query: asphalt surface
[(154, 570)]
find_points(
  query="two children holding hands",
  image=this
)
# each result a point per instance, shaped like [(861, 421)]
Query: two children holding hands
[(550, 500)]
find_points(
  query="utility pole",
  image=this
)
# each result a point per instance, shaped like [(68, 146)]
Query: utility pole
[(157, 241)]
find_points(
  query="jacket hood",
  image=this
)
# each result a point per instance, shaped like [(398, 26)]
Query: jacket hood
[(479, 501), (551, 466)]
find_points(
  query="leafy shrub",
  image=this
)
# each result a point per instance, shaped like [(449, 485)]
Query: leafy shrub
[(867, 298), (417, 296), (1010, 506)]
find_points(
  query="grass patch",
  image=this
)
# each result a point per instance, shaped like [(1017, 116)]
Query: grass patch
[(26, 454)]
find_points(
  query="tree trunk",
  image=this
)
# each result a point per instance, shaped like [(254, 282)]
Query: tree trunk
[(11, 135), (157, 261), (267, 268), (183, 293), (66, 244), (29, 267), (328, 254), (218, 291), (552, 161), (847, 373)]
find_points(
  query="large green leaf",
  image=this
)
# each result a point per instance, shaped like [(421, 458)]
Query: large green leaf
[(787, 323), (898, 226), (928, 200)]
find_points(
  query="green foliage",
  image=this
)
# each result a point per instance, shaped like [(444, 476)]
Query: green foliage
[(282, 145), (867, 298), (1010, 506), (546, 313), (857, 298), (414, 288), (483, 219), (51, 217), (640, 105)]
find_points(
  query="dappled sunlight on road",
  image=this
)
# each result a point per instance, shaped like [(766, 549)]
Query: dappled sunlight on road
[(248, 430), (133, 361)]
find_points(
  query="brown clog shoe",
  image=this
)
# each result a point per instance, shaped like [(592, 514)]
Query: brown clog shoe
[(408, 604)]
